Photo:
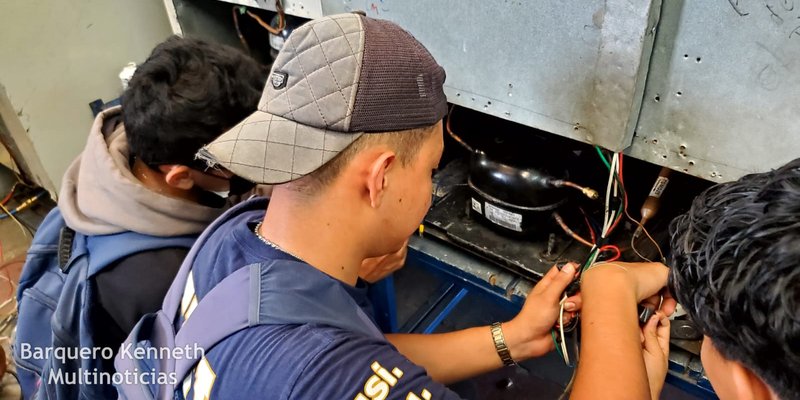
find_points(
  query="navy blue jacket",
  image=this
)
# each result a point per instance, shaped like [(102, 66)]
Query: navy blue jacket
[(297, 360)]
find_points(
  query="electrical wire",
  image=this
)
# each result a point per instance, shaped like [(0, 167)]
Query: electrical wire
[(570, 232), (235, 11), (555, 341), (618, 176), (568, 388), (633, 238), (268, 27), (602, 157), (9, 195), (564, 351), (624, 192), (589, 226), (25, 204), (615, 249), (609, 214), (21, 227), (624, 208), (610, 221)]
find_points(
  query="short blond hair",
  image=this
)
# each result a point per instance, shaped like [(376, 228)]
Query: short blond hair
[(406, 144)]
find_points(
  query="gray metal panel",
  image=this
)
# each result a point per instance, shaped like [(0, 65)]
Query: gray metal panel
[(722, 95), (301, 8), (572, 68)]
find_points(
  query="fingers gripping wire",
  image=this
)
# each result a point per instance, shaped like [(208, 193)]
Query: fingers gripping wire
[(614, 190)]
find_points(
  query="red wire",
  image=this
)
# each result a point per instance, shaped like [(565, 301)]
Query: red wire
[(613, 248), (589, 225), (8, 196), (624, 196)]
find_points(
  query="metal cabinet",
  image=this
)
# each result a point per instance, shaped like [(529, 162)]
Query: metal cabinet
[(704, 87)]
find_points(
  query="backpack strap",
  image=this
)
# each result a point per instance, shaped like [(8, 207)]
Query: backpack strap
[(226, 309), (172, 300), (266, 294), (104, 250), (223, 311)]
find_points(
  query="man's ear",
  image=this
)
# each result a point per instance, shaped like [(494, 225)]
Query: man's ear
[(378, 180), (177, 176), (747, 385)]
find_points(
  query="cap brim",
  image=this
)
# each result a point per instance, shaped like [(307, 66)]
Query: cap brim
[(269, 149)]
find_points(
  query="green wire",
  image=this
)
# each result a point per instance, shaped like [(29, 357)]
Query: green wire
[(555, 342), (602, 157)]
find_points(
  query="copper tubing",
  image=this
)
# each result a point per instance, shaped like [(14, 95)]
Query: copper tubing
[(570, 232)]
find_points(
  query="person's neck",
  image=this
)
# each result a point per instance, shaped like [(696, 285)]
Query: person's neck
[(154, 181), (315, 232)]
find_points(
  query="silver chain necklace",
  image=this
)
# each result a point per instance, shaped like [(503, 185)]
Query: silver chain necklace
[(269, 243)]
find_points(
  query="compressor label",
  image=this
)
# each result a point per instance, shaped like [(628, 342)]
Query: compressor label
[(659, 186), (476, 205), (504, 218)]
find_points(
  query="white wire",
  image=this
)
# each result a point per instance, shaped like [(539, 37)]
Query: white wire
[(608, 213), (608, 220), (561, 329), (25, 232)]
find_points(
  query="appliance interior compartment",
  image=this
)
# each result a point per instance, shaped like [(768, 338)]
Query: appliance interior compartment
[(705, 88)]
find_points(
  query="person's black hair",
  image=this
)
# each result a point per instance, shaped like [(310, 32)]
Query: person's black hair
[(186, 94), (736, 270)]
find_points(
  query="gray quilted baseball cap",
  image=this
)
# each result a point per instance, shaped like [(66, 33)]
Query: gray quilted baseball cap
[(335, 79)]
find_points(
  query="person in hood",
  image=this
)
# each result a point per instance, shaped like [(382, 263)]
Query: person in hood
[(138, 171)]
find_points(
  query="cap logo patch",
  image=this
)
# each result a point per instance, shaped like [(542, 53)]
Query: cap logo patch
[(279, 79)]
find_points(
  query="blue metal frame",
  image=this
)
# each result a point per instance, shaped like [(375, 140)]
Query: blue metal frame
[(458, 284), (382, 296)]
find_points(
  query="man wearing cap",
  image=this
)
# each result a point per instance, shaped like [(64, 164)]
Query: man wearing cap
[(349, 130)]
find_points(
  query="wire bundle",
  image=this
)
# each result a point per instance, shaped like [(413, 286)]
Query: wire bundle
[(610, 221), (615, 190)]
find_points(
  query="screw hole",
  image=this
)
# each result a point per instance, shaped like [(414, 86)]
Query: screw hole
[(697, 59), (664, 156), (691, 162), (683, 147), (679, 94), (655, 141), (657, 98), (685, 56)]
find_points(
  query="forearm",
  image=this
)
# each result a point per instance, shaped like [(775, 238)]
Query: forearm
[(611, 364), (455, 356)]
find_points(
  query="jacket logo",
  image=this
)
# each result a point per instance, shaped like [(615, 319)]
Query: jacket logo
[(279, 79)]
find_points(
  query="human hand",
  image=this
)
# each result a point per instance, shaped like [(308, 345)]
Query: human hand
[(374, 269), (528, 334), (648, 281), (655, 349)]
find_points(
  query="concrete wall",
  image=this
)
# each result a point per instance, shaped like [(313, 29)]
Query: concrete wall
[(56, 56)]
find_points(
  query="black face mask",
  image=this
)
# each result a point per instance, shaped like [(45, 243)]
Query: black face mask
[(239, 186)]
